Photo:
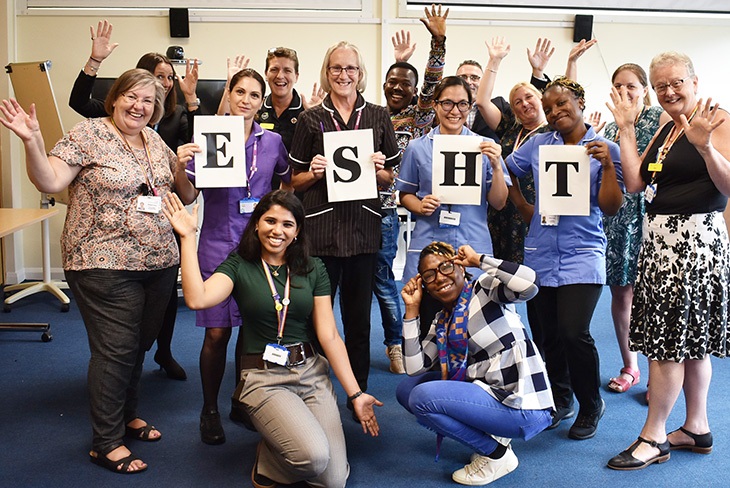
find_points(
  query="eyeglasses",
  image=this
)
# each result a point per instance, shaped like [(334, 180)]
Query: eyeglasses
[(337, 70), (445, 268), (473, 78), (675, 84), (448, 105), (133, 99)]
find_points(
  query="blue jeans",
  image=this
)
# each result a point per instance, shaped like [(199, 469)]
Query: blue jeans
[(465, 412), (384, 287)]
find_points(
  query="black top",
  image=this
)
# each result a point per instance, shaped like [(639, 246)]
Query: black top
[(284, 125), (683, 185), (175, 130)]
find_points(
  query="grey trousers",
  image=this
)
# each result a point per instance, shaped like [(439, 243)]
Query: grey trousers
[(295, 410), (122, 312)]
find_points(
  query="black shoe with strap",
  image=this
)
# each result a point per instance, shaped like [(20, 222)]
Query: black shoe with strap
[(702, 442), (627, 462)]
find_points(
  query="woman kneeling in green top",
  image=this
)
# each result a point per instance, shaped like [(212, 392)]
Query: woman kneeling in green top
[(285, 385)]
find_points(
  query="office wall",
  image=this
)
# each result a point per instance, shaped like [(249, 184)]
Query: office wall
[(65, 41)]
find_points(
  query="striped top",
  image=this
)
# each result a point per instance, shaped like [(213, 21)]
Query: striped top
[(502, 359), (341, 229)]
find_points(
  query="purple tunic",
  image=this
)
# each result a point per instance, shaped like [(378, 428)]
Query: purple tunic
[(223, 225)]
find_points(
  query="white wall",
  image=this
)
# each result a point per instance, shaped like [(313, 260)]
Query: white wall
[(65, 41)]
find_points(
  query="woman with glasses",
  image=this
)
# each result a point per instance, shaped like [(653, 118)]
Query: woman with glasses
[(175, 128), (452, 101), (119, 255), (568, 254), (680, 310), (344, 235), (226, 213), (490, 385)]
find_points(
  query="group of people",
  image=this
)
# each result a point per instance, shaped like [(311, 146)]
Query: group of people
[(270, 257)]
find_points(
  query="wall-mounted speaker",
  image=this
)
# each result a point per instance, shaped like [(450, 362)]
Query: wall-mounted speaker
[(179, 22), (583, 28)]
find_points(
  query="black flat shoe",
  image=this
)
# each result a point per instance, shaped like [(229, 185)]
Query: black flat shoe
[(627, 462), (560, 414), (211, 430), (172, 368), (702, 442)]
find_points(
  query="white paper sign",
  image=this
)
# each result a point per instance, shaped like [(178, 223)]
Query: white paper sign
[(457, 169), (222, 161), (350, 170), (565, 180)]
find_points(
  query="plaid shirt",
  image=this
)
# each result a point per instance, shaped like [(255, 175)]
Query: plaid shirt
[(501, 359)]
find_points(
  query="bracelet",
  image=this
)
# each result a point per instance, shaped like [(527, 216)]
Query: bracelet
[(196, 103), (94, 59), (354, 395), (492, 70), (92, 68)]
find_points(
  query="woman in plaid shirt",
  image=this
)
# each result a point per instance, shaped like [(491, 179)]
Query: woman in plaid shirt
[(491, 385)]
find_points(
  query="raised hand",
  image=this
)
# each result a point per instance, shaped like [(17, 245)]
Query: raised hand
[(498, 48), (402, 47), (189, 84), (541, 55), (435, 22), (184, 223), (24, 125), (595, 120), (580, 48), (412, 292), (699, 130), (318, 95), (101, 45), (239, 63), (624, 110), (467, 256)]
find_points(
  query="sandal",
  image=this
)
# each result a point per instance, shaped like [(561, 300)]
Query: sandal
[(142, 433), (626, 461), (120, 466), (702, 442), (620, 384)]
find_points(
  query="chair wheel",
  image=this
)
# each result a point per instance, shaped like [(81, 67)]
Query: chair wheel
[(6, 308), (46, 337), (65, 307)]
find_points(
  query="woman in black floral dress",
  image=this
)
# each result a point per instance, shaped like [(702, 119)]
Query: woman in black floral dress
[(680, 312)]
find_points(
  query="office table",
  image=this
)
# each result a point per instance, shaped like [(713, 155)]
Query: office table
[(13, 220)]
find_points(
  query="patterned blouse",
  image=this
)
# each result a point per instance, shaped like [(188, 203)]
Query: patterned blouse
[(103, 228)]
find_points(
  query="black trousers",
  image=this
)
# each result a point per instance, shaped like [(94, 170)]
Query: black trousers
[(562, 328), (354, 275)]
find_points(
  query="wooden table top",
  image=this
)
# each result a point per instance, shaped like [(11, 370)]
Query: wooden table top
[(14, 219)]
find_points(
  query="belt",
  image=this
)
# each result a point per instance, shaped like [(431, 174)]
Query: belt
[(298, 353)]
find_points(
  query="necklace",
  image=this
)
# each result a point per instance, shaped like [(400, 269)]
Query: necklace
[(274, 269)]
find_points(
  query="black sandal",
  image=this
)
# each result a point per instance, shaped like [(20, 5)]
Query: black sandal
[(702, 442), (120, 466), (626, 461), (142, 433)]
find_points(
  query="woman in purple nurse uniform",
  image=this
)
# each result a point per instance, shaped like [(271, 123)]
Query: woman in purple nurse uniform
[(225, 215)]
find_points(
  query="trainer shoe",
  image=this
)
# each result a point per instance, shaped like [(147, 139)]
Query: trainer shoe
[(585, 425), (483, 470), (560, 414), (395, 354)]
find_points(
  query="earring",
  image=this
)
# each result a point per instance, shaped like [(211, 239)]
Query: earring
[(295, 238), (256, 229)]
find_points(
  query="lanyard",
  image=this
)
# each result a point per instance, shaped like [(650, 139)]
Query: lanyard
[(519, 141), (357, 121), (281, 306), (149, 157), (254, 168), (667, 146)]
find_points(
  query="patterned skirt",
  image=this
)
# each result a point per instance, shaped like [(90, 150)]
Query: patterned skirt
[(680, 308), (623, 233)]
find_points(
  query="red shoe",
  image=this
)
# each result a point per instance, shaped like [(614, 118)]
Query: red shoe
[(622, 385)]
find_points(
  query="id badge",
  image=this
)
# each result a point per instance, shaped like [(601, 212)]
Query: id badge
[(549, 220), (449, 219), (650, 192), (149, 204), (277, 354), (246, 205)]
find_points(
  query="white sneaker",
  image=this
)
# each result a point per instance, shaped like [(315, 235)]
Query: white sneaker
[(395, 354), (483, 470)]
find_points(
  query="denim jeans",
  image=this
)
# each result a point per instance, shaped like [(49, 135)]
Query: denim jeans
[(384, 288), (122, 313), (465, 412)]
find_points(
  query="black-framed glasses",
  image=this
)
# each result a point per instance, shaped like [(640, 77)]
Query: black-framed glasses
[(445, 268), (448, 105), (337, 70), (675, 84)]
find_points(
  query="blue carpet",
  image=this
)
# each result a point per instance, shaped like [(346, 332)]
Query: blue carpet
[(46, 435)]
